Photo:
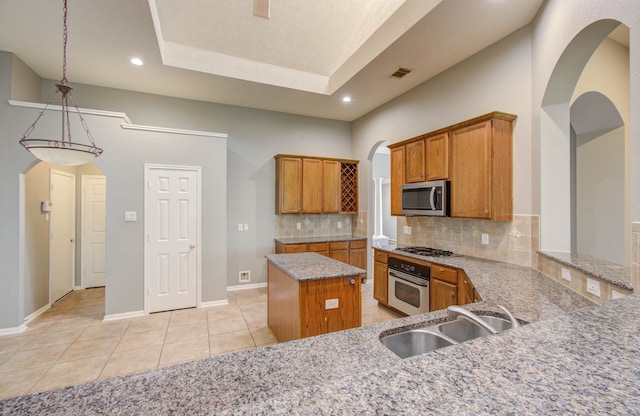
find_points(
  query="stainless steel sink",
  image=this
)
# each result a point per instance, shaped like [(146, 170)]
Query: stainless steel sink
[(465, 327), (463, 330), (414, 342)]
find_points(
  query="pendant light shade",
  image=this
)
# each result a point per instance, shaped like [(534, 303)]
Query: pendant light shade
[(63, 151)]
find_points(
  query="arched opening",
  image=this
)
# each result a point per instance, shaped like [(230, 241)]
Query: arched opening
[(64, 217), (597, 178), (568, 118)]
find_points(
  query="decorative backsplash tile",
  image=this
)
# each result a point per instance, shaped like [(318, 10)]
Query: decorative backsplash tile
[(510, 241), (314, 225)]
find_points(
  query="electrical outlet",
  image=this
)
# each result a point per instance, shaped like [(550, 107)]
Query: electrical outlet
[(566, 274), (331, 304), (298, 226), (485, 238), (593, 287), (407, 230), (244, 276), (246, 227), (339, 224)]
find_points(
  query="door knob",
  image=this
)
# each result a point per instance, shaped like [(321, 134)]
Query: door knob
[(192, 246)]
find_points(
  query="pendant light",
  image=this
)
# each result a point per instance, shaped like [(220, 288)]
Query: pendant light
[(64, 151)]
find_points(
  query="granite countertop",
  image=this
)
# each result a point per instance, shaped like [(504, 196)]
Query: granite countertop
[(312, 266), (326, 239), (573, 358), (607, 271)]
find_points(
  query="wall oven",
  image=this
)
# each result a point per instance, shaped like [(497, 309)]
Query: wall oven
[(408, 286)]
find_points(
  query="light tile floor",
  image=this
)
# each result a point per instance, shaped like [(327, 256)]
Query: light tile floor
[(71, 344)]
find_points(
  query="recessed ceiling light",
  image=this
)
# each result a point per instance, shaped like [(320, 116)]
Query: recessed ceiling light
[(346, 99), (137, 61)]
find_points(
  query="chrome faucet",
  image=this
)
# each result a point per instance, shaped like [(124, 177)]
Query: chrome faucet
[(455, 312), (514, 321)]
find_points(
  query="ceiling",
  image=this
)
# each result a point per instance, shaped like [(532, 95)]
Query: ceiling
[(302, 59)]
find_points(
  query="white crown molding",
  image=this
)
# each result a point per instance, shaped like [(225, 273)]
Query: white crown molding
[(82, 110), (129, 126)]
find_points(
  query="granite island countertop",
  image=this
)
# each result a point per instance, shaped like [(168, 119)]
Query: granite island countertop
[(574, 358), (312, 266)]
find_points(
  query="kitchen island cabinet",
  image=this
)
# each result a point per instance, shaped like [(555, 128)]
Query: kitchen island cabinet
[(310, 294)]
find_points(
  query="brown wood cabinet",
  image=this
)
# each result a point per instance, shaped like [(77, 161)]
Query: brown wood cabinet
[(353, 252), (476, 155), (314, 185), (330, 186), (380, 276), (481, 169), (397, 179), (358, 253), (466, 291), (298, 309), (437, 157), (415, 154), (289, 182), (443, 290)]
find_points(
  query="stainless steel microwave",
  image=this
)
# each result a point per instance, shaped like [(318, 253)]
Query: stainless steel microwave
[(426, 198)]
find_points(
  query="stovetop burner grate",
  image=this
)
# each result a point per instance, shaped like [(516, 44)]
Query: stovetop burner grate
[(426, 251)]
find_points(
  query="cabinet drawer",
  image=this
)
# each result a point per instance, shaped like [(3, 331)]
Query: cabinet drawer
[(380, 256), (358, 244), (338, 245), (295, 248), (444, 273), (318, 247)]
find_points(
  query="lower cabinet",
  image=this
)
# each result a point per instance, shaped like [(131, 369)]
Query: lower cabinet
[(442, 295), (380, 277), (353, 252)]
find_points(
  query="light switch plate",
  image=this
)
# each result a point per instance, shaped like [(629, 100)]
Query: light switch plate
[(331, 304), (246, 227), (566, 274), (593, 287), (239, 227), (130, 216)]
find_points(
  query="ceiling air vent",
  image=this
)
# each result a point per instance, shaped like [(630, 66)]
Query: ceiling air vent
[(400, 72)]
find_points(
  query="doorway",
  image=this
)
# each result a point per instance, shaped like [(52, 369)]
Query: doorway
[(172, 246), (93, 251), (62, 234)]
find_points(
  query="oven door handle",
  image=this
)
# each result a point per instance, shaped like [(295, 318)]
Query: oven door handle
[(409, 278)]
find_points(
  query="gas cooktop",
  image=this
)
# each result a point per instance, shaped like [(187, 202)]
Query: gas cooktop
[(425, 251)]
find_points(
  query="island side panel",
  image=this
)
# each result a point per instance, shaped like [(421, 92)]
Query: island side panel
[(283, 299), (315, 319)]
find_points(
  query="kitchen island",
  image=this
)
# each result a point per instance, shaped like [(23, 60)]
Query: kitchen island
[(311, 294), (573, 358)]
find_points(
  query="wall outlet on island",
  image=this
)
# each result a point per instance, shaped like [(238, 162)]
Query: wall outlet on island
[(407, 230), (593, 287), (566, 274)]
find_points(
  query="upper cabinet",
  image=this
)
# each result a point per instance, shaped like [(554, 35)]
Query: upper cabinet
[(482, 169), (314, 185), (475, 155), (397, 179)]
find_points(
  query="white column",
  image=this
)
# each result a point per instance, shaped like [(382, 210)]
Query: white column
[(377, 228)]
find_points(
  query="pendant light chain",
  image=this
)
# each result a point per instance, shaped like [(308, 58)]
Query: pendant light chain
[(64, 43)]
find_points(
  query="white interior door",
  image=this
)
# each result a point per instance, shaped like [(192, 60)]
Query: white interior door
[(62, 233), (93, 257), (172, 237)]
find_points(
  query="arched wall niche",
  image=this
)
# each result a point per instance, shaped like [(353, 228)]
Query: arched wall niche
[(557, 193)]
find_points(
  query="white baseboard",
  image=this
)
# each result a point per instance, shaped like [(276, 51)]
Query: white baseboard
[(246, 287), (125, 315), (214, 303), (13, 331), (78, 288), (37, 313)]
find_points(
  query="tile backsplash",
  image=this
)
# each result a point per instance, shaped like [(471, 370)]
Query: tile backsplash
[(316, 225), (513, 241)]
